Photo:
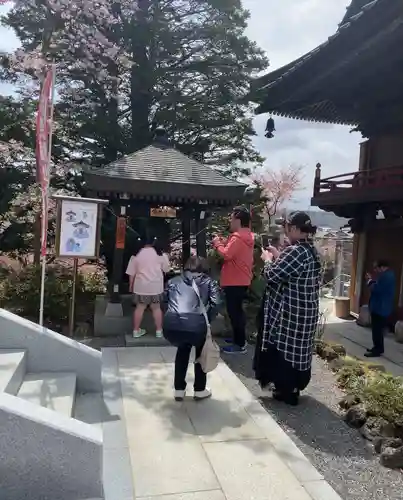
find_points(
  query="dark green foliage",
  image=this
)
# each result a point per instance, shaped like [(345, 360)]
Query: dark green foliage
[(183, 64), (20, 291), (380, 393)]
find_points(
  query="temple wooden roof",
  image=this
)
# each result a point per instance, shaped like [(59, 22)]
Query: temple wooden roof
[(349, 79), (356, 7), (160, 172)]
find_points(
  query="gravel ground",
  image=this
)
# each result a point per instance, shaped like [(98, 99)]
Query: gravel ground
[(339, 453)]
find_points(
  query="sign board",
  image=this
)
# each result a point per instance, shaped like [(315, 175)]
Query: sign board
[(120, 233), (164, 212), (78, 227)]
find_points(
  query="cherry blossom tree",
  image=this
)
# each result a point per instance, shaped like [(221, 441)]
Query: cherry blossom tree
[(277, 188), (126, 64), (121, 65), (20, 200)]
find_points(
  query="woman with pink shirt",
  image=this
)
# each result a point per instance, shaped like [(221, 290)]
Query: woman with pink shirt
[(146, 273)]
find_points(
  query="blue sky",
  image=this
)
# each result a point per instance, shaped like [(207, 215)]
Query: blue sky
[(286, 29)]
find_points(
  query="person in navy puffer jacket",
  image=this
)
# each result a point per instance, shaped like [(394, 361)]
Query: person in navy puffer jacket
[(184, 324), (380, 304)]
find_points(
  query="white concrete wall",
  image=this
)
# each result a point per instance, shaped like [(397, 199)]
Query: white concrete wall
[(50, 351), (45, 455)]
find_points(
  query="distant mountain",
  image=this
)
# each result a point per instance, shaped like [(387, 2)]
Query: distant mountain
[(319, 218), (326, 219)]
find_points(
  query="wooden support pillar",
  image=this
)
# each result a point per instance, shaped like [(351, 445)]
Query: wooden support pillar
[(316, 184), (185, 236), (201, 239), (118, 254)]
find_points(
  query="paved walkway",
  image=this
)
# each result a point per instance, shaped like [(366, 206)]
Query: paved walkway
[(356, 339), (226, 448)]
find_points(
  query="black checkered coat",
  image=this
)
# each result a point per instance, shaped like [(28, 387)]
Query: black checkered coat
[(291, 307)]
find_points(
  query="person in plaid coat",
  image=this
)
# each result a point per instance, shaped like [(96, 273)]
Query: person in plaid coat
[(289, 312)]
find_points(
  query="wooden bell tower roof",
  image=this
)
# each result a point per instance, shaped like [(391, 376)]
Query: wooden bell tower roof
[(162, 173)]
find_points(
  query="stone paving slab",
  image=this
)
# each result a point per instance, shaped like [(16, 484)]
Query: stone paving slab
[(167, 467), (320, 490), (226, 448), (203, 495), (356, 339), (250, 470)]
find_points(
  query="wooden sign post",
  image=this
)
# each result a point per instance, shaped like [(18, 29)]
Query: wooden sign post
[(78, 235)]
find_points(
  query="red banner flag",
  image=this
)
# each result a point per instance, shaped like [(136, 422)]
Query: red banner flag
[(43, 148)]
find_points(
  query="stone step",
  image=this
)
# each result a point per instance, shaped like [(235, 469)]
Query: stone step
[(90, 408), (148, 340), (55, 391), (12, 369)]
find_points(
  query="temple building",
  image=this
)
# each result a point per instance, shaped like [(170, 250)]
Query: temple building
[(147, 190), (355, 78)]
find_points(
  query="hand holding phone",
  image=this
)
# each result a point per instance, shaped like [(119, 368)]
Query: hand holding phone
[(274, 251), (266, 241), (266, 256)]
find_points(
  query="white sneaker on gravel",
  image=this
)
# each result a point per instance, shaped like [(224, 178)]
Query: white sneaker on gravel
[(200, 395), (179, 395), (159, 334)]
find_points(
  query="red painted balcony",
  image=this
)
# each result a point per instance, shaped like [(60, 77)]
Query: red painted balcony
[(364, 186)]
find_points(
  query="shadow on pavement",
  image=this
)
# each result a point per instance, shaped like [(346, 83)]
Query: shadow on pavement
[(312, 423)]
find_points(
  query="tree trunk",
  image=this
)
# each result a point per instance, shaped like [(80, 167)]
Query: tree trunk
[(141, 81)]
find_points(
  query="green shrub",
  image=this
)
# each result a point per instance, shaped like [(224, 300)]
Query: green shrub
[(383, 396), (349, 376), (94, 283), (381, 393), (20, 291)]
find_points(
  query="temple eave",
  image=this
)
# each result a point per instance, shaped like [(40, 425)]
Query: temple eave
[(162, 191), (304, 117)]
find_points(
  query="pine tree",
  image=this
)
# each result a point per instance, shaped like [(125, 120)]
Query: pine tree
[(184, 64), (122, 66)]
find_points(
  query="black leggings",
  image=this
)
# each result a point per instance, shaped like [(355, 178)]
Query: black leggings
[(181, 368), (234, 298)]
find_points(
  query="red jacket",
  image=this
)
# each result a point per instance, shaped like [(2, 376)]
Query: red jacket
[(238, 258)]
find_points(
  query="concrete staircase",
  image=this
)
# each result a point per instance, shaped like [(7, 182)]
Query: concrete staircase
[(51, 415), (55, 391)]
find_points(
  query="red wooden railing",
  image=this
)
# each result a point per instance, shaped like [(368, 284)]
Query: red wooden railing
[(362, 179)]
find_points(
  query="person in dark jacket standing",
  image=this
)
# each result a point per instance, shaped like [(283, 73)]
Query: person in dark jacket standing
[(380, 304), (185, 325)]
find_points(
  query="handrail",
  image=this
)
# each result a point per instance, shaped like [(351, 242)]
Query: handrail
[(367, 173), (333, 280), (369, 179), (338, 176)]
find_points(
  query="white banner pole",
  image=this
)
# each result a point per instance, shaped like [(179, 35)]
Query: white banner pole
[(45, 198)]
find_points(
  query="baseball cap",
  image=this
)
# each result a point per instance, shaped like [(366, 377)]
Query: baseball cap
[(300, 220)]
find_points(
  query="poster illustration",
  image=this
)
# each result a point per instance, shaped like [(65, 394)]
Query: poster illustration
[(78, 228)]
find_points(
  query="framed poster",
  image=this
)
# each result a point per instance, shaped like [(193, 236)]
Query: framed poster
[(78, 227)]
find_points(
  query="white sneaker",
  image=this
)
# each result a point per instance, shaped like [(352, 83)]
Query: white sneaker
[(200, 395), (138, 333), (179, 395), (159, 334)]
